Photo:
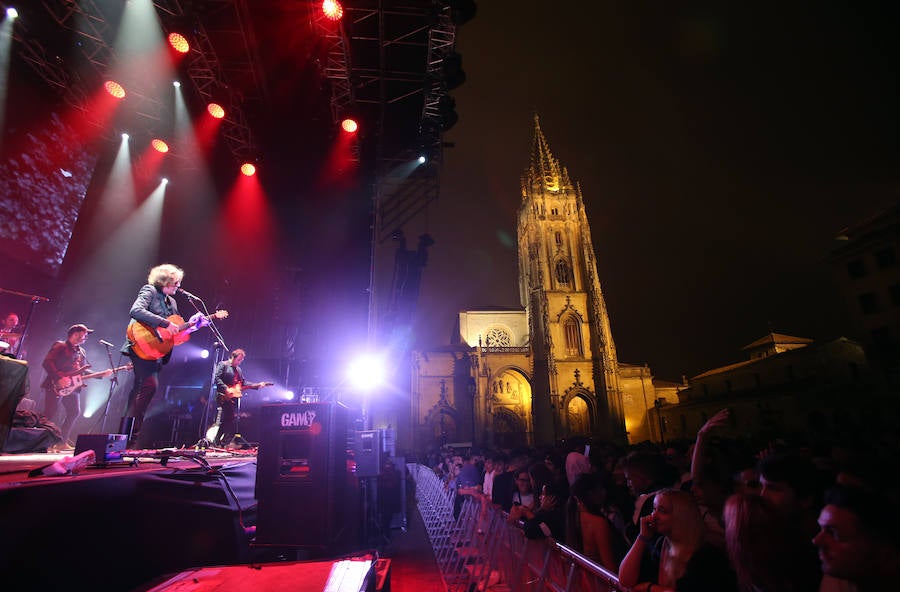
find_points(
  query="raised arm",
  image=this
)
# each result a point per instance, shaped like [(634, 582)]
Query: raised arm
[(698, 460)]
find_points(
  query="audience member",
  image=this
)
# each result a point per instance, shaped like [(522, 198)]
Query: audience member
[(681, 560), (646, 472), (763, 548), (857, 539), (523, 500), (593, 529), (577, 461)]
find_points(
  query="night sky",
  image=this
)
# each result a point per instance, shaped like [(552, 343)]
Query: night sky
[(719, 149)]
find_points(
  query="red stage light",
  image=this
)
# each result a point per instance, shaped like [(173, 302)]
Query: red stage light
[(216, 110), (115, 89), (179, 43), (332, 9), (349, 125), (159, 145), (248, 170)]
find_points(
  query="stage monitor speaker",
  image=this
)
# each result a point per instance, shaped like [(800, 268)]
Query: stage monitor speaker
[(306, 495), (367, 453), (107, 447)]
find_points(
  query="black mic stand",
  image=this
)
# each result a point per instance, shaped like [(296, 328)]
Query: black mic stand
[(205, 441), (220, 348), (34, 300), (113, 383)]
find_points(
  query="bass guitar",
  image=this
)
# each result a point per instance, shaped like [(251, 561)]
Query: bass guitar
[(67, 385), (237, 391), (151, 343)]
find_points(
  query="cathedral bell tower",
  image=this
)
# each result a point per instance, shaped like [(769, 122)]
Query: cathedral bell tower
[(576, 379)]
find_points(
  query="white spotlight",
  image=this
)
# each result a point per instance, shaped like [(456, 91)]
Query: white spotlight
[(204, 353), (165, 181), (421, 160), (367, 372), (176, 84), (12, 12), (125, 136)]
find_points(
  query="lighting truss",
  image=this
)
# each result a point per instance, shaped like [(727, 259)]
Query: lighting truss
[(384, 62), (89, 21)]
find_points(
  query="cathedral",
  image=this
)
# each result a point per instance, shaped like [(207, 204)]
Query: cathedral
[(544, 372)]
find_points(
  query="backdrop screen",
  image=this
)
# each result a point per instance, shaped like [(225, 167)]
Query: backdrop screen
[(46, 170)]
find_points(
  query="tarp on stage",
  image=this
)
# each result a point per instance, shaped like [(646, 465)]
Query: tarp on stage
[(118, 529)]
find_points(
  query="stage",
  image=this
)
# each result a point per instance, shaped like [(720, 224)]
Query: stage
[(164, 521)]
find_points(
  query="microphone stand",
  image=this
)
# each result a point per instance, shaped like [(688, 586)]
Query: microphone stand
[(113, 383), (220, 348), (34, 300)]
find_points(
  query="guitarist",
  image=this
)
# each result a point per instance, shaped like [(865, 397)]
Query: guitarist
[(65, 358), (228, 376), (154, 303)]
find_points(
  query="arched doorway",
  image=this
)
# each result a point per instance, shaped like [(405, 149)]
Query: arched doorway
[(510, 408), (578, 416)]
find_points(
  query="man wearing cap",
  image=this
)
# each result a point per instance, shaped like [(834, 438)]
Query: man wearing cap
[(65, 359)]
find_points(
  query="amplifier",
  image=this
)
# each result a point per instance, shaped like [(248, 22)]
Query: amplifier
[(107, 447)]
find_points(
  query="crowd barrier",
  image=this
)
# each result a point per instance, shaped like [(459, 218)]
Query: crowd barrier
[(478, 550)]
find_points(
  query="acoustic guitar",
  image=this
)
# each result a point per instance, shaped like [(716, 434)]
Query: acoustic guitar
[(67, 385), (149, 344)]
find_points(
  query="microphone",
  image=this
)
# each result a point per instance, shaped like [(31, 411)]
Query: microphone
[(188, 294), (106, 343)]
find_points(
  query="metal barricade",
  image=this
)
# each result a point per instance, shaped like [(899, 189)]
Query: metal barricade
[(481, 551)]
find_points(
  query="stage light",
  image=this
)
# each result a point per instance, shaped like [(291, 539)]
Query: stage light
[(349, 125), (125, 136), (12, 12), (248, 170), (216, 110), (176, 84), (159, 145), (332, 10), (115, 89), (165, 181), (204, 353), (367, 372), (421, 160), (179, 43)]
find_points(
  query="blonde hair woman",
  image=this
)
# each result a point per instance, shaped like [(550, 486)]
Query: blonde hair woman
[(671, 555)]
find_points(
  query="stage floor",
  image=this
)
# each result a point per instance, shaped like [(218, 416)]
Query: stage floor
[(14, 468)]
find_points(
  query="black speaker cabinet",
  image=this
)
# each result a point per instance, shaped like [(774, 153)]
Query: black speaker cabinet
[(306, 495), (367, 453), (107, 447)]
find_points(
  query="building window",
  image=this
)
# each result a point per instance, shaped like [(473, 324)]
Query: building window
[(885, 257), (558, 236), (868, 303), (554, 211), (572, 330), (856, 268), (562, 272), (498, 338), (895, 294)]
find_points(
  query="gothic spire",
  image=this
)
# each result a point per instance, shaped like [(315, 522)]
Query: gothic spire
[(543, 165)]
